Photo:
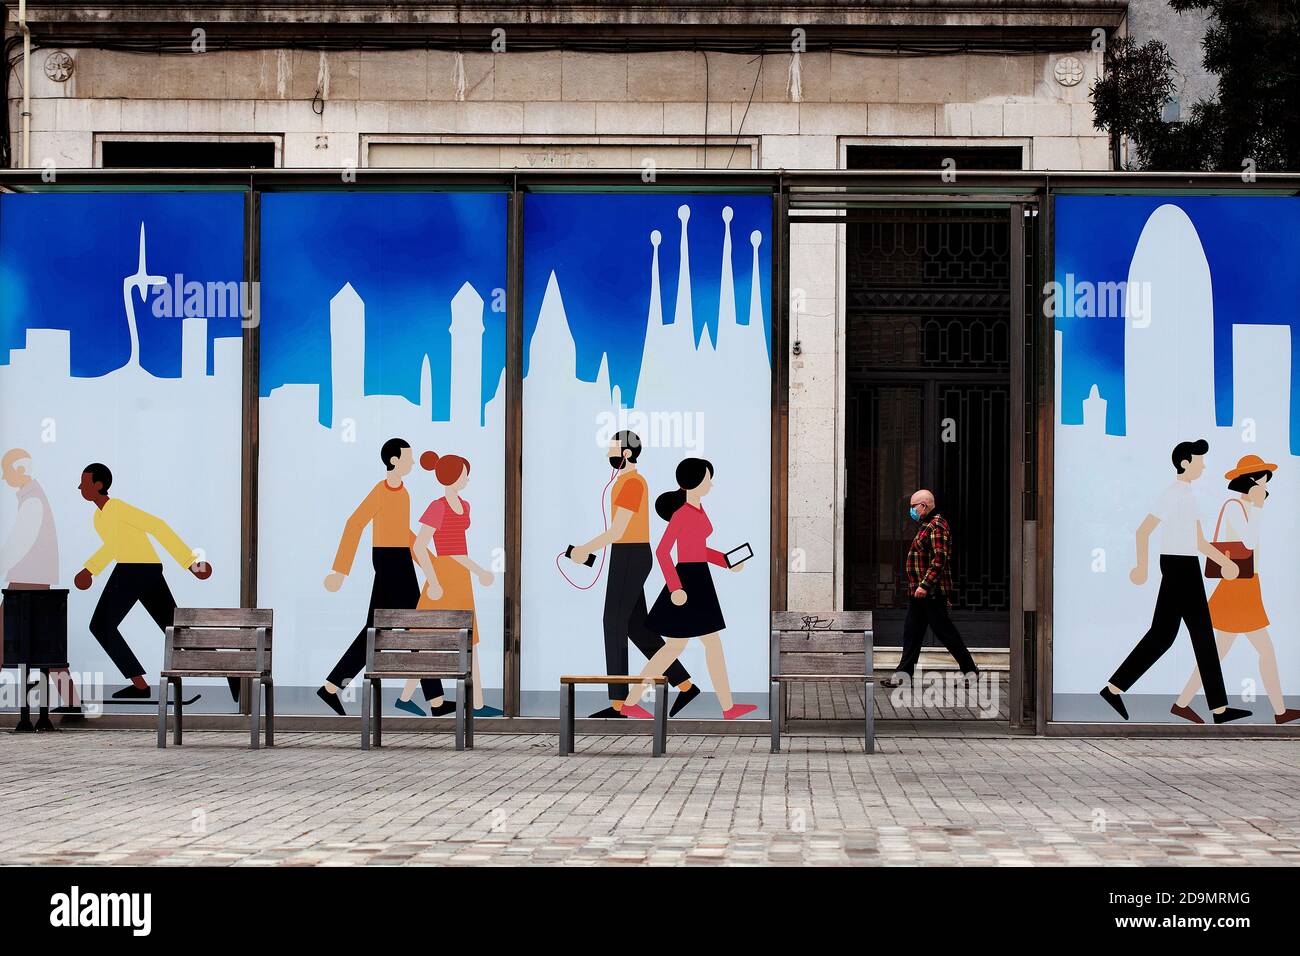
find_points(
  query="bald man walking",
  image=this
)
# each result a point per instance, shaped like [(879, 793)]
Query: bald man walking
[(929, 580)]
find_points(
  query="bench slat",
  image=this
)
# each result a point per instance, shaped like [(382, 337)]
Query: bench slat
[(813, 678), (837, 664), (218, 673), (209, 638), (610, 679), (220, 661), (415, 662), (403, 617), (821, 642), (223, 617), (417, 640), (821, 620)]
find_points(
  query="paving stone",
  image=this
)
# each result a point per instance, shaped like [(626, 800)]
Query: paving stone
[(111, 797)]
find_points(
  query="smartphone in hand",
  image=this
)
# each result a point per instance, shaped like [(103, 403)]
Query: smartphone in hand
[(591, 558), (739, 555)]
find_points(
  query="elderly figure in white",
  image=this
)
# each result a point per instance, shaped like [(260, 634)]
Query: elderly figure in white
[(29, 557)]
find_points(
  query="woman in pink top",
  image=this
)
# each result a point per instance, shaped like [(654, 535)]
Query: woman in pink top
[(688, 605), (443, 525)]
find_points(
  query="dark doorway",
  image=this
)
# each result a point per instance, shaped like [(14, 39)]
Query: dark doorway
[(929, 403), (187, 154), (932, 157)]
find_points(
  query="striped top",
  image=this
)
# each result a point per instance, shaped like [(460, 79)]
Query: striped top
[(448, 527)]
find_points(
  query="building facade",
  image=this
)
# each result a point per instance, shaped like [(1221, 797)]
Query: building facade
[(947, 90)]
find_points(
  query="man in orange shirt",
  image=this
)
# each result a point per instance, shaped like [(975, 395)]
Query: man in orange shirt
[(387, 509), (630, 561)]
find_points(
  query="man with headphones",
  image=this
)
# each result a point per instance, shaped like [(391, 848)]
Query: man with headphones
[(630, 562)]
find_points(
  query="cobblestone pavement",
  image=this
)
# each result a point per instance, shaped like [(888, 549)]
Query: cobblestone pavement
[(111, 797)]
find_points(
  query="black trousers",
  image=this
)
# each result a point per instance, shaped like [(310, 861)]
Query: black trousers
[(395, 586), (1181, 600), (931, 611), (127, 586), (625, 615)]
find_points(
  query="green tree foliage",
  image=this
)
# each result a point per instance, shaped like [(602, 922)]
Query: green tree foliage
[(1253, 46)]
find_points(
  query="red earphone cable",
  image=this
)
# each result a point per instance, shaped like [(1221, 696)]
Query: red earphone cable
[(604, 520)]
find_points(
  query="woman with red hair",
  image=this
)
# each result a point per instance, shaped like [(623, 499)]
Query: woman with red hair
[(444, 524)]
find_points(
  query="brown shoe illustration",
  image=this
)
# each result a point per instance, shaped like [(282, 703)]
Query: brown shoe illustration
[(1186, 713)]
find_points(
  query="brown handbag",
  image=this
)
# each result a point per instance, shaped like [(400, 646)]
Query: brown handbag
[(1241, 555)]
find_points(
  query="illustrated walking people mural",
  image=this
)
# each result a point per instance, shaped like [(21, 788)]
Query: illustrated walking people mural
[(688, 605), (448, 574), (29, 557), (386, 510), (1181, 598), (625, 616), (137, 577), (1237, 604)]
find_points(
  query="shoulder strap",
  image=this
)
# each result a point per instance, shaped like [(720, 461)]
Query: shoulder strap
[(1225, 508)]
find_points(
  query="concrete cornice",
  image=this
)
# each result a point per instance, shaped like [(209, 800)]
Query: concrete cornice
[(667, 20)]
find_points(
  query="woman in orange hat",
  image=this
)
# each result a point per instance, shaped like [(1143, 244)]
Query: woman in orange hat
[(1237, 606)]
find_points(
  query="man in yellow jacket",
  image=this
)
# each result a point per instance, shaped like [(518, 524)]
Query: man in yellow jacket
[(137, 578)]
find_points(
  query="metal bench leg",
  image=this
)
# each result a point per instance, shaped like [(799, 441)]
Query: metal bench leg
[(460, 714), (269, 687), (774, 706), (469, 714), (869, 713), (178, 705), (255, 713), (377, 710), (365, 718), (162, 714), (660, 742), (566, 721)]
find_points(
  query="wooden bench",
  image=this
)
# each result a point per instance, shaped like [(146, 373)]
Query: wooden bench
[(404, 644), (823, 646), (231, 642), (659, 730)]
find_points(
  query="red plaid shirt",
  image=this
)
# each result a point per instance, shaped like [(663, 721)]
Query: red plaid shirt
[(930, 557)]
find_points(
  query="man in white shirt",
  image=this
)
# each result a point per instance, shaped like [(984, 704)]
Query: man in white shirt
[(29, 558), (1182, 593)]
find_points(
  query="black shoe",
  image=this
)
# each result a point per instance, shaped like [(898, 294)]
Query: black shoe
[(235, 685), (131, 692), (610, 713), (443, 709), (683, 698), (1232, 713), (332, 701), (1115, 701)]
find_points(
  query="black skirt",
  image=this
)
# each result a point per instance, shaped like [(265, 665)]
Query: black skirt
[(700, 614)]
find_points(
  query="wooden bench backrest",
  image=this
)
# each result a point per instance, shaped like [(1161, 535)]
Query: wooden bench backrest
[(433, 642), (821, 643), (220, 639)]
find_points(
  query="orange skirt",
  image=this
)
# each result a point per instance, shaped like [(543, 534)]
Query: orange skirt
[(1237, 606), (457, 589)]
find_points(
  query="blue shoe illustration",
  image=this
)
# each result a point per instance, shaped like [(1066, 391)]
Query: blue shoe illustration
[(410, 707), (488, 711)]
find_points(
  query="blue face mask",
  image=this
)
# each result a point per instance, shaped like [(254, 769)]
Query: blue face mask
[(916, 515)]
